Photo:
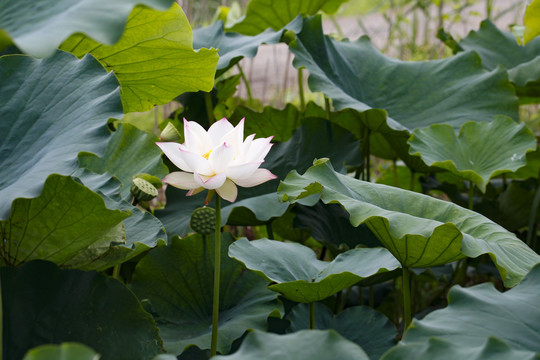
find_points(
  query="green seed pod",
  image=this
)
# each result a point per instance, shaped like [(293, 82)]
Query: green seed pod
[(154, 180), (171, 133), (143, 190), (203, 220)]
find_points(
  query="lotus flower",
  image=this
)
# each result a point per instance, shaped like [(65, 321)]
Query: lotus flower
[(218, 159)]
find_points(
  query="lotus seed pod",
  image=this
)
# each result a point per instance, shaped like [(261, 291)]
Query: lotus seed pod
[(154, 180), (143, 190), (170, 133), (203, 220)]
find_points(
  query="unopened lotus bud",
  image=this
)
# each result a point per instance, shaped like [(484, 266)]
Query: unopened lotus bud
[(203, 220), (170, 133), (143, 190)]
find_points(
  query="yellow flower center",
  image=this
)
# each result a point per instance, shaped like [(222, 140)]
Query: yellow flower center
[(207, 155)]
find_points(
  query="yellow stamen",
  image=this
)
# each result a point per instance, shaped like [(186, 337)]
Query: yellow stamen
[(207, 155)]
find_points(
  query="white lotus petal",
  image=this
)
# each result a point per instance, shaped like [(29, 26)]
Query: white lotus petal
[(197, 163), (221, 157), (181, 180), (228, 191), (218, 130), (210, 182), (259, 149), (235, 172), (195, 191), (196, 138), (235, 138), (172, 151), (258, 177)]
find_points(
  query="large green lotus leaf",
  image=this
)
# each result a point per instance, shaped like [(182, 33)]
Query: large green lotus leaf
[(51, 109), (497, 47), (419, 230), (300, 276), (154, 60), (64, 351), (60, 225), (44, 305), (38, 27), (413, 94), (435, 348), (257, 205), (474, 314), (178, 282), (532, 25), (232, 46), (130, 151), (479, 152), (362, 325), (275, 14), (301, 345)]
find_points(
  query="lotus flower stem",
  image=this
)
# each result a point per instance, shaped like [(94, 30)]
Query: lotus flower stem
[(312, 315), (406, 288), (246, 83), (217, 276)]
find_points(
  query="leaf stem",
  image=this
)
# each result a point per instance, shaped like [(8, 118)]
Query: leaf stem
[(406, 288), (327, 107), (531, 233), (209, 107), (246, 83), (269, 231), (301, 89), (116, 272), (1, 322), (217, 276), (312, 315), (471, 195)]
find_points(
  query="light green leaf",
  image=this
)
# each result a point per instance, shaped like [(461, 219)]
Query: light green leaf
[(64, 351), (477, 313), (275, 14), (435, 348), (130, 151), (532, 21), (300, 276), (177, 280), (154, 60), (480, 152), (302, 345), (362, 325), (419, 230), (51, 110), (38, 27), (232, 47), (43, 305), (60, 225)]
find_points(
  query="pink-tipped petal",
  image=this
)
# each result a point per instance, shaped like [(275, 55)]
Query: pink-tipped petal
[(221, 157), (259, 149), (235, 137), (196, 138), (228, 191), (258, 177), (181, 180), (210, 182), (218, 130), (241, 171), (195, 191), (172, 151), (197, 162)]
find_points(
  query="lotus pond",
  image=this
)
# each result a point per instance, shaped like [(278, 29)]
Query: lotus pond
[(384, 207)]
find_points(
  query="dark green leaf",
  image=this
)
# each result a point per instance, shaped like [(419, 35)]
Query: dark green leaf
[(43, 304), (419, 230), (300, 276), (51, 110)]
